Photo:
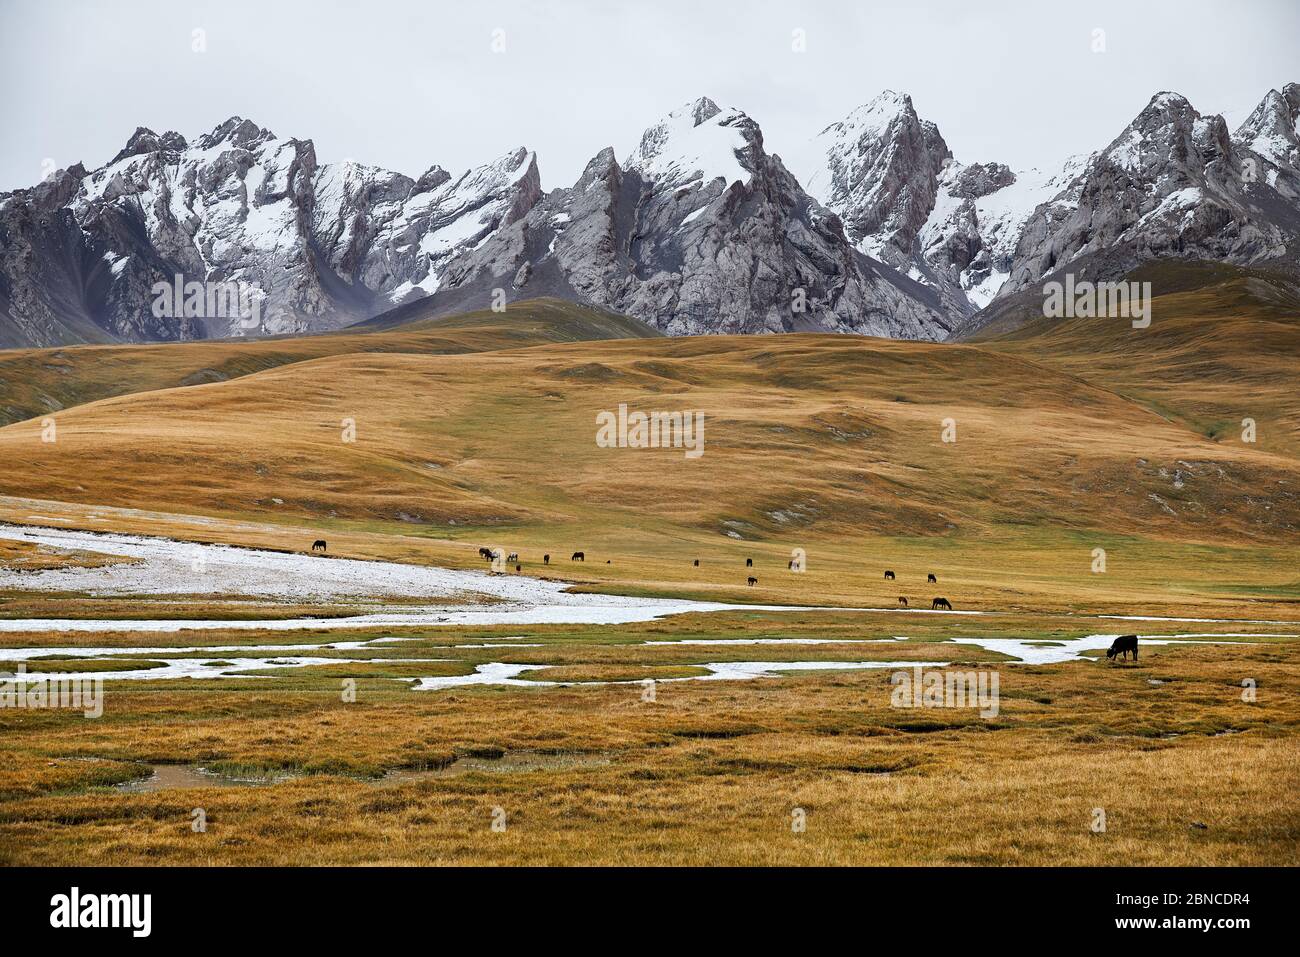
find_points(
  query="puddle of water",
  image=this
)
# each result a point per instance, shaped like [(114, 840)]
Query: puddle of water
[(165, 776)]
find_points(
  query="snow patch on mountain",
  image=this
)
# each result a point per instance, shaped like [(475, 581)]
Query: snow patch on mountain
[(697, 142)]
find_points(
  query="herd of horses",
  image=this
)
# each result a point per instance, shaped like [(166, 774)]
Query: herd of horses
[(1122, 645), (493, 554)]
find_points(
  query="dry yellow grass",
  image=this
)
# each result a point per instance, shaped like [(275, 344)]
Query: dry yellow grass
[(707, 773)]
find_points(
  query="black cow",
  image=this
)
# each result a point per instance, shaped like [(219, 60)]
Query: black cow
[(902, 601), (889, 576), (1123, 645), (749, 563), (512, 557), (931, 579), (753, 580), (697, 563), (319, 543), (942, 603), (518, 569), (546, 559), (579, 557), (485, 553)]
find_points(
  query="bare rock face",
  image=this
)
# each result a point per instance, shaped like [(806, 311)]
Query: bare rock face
[(698, 231), (319, 247)]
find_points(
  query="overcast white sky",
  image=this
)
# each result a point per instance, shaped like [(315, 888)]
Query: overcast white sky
[(405, 85)]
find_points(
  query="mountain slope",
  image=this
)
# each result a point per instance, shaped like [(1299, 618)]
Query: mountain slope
[(1223, 346)]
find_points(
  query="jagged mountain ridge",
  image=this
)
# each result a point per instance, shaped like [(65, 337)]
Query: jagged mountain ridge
[(698, 230)]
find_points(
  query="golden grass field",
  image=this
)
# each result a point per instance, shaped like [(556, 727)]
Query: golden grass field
[(481, 432)]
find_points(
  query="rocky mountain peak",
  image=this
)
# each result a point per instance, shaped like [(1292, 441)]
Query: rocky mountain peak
[(430, 179), (704, 109), (1272, 131), (236, 132), (878, 168)]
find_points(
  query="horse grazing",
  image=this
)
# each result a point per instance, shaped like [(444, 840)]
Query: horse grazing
[(1122, 646), (942, 603), (902, 601), (579, 557), (753, 580), (485, 553), (749, 563), (889, 576), (319, 543), (931, 579)]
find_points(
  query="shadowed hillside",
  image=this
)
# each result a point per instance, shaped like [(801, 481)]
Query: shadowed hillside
[(36, 382)]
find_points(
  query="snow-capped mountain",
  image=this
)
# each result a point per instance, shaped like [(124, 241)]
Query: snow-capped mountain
[(1173, 184), (699, 230), (878, 168), (1272, 134), (319, 246), (904, 199)]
